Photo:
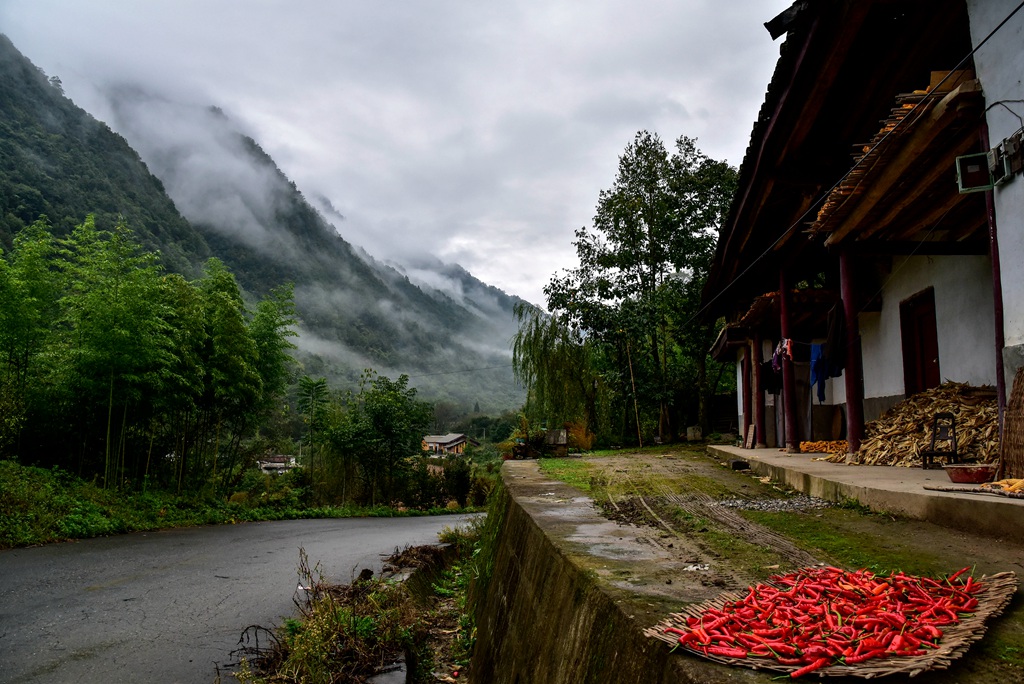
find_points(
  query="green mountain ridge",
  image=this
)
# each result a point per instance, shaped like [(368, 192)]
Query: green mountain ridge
[(207, 189)]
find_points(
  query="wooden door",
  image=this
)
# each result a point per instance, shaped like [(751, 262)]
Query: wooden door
[(920, 342)]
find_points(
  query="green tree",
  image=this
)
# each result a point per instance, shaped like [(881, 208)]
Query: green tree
[(29, 291), (233, 387), (647, 253), (270, 328), (114, 334), (313, 405), (388, 423), (559, 365)]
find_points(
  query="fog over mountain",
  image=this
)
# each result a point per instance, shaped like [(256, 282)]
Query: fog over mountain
[(430, 320)]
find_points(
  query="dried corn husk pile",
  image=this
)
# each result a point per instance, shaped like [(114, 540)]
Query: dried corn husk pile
[(900, 434), (825, 447), (1008, 485)]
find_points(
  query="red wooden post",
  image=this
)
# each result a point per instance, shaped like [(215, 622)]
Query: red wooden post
[(853, 373), (747, 390), (788, 372), (759, 412)]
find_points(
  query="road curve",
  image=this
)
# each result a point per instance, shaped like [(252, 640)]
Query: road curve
[(165, 607)]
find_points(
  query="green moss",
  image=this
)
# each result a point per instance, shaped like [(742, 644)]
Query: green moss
[(572, 471), (831, 532)]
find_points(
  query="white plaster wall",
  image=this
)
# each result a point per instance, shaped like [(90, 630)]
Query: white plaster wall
[(835, 390), (964, 322), (1000, 67), (740, 387)]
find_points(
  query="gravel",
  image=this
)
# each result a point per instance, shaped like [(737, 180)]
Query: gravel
[(797, 502)]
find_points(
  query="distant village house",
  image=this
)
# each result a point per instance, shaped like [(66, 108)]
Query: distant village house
[(274, 465), (444, 445)]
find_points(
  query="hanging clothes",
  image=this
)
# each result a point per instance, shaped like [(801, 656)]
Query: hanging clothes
[(784, 349), (771, 379), (819, 370), (835, 342)]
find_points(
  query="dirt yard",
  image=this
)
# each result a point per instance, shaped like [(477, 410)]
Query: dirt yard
[(728, 529)]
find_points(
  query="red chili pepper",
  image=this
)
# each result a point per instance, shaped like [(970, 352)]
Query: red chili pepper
[(816, 665), (727, 651), (687, 638), (865, 656), (957, 574), (780, 647)]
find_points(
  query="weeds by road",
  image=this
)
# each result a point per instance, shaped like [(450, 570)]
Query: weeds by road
[(347, 633), (39, 506)]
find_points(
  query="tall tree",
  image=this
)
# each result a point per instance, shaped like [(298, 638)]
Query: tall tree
[(115, 334), (29, 292), (387, 423), (233, 387), (313, 405), (646, 254)]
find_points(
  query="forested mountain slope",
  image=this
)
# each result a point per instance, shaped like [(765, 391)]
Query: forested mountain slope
[(57, 160), (214, 192)]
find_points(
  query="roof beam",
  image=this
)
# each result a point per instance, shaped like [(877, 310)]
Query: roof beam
[(925, 133)]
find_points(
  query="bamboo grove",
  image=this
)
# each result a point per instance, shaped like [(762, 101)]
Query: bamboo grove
[(121, 372), (621, 354)]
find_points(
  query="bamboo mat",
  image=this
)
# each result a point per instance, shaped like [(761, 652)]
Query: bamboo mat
[(955, 641)]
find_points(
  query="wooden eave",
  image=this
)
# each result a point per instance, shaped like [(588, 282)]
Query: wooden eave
[(808, 309), (903, 188), (730, 338), (835, 80)]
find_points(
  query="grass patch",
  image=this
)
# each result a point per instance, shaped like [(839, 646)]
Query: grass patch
[(342, 633), (709, 486), (572, 471), (740, 553), (830, 532)]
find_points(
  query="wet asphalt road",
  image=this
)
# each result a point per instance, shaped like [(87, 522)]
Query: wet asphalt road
[(164, 607)]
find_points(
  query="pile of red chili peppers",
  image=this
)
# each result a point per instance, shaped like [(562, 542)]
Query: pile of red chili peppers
[(822, 616)]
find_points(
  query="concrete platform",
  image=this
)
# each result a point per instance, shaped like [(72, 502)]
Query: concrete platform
[(887, 489)]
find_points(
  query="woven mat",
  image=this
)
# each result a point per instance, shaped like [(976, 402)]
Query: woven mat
[(955, 641)]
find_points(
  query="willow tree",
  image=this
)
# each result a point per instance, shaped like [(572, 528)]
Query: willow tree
[(558, 366)]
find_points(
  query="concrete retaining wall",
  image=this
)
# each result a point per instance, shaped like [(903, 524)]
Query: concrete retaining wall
[(548, 614)]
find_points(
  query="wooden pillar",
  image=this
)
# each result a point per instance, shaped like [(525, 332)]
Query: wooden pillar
[(788, 372), (747, 373), (854, 372), (759, 412)]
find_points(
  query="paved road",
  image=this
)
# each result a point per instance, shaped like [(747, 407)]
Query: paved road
[(164, 607)]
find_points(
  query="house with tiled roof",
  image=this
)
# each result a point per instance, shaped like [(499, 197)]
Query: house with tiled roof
[(875, 244), (444, 445)]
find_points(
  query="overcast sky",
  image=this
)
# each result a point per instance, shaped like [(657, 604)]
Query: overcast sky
[(479, 132)]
